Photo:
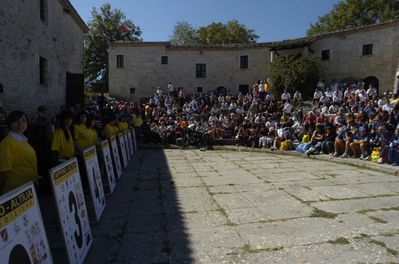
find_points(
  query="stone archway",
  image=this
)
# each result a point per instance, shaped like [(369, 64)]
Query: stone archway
[(373, 81)]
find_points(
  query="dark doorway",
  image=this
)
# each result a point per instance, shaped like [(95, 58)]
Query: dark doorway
[(243, 88), (373, 81), (74, 89)]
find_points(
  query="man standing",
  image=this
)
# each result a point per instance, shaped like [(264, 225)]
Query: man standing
[(171, 89), (396, 87)]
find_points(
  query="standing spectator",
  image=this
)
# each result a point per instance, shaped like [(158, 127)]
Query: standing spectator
[(171, 89), (286, 95), (316, 97), (18, 164)]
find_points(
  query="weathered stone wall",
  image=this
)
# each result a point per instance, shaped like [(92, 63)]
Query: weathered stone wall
[(143, 69), (347, 61), (24, 37)]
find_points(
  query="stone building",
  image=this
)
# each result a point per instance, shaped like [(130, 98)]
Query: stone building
[(370, 53), (41, 54)]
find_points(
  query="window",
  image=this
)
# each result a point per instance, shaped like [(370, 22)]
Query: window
[(164, 60), (132, 90), (43, 71), (244, 62), (199, 89), (200, 70), (367, 49), (120, 61), (43, 10), (325, 55)]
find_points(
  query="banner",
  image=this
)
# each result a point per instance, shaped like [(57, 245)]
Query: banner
[(94, 179), (130, 140), (122, 149), (22, 235), (109, 168), (72, 211), (127, 145), (134, 140), (116, 157)]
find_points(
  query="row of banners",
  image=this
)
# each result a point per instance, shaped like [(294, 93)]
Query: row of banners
[(23, 238)]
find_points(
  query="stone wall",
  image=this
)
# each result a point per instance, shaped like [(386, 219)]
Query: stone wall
[(144, 72), (143, 69), (347, 61), (24, 38)]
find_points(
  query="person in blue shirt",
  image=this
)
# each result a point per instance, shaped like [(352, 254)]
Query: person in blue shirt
[(383, 139), (342, 142), (393, 155), (360, 145)]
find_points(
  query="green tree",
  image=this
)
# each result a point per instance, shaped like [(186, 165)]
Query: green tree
[(215, 33), (355, 13), (106, 26), (183, 34), (294, 73)]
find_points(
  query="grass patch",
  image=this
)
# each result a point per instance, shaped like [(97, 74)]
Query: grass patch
[(364, 211), (377, 220), (323, 214), (247, 248), (339, 241), (382, 244), (230, 223)]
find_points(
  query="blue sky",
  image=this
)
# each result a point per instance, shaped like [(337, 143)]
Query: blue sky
[(272, 20)]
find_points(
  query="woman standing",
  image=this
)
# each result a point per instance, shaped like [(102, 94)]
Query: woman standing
[(18, 164)]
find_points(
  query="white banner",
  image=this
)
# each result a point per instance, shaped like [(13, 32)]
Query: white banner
[(72, 211), (127, 145), (116, 157), (94, 180), (130, 140), (122, 149), (134, 139), (22, 235), (109, 168)]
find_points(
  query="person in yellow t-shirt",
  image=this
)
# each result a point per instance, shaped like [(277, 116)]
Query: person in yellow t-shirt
[(81, 132), (62, 145), (18, 163), (122, 124), (266, 85), (137, 122), (111, 128), (91, 125)]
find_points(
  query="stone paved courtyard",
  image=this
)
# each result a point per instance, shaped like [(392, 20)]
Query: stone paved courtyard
[(189, 206)]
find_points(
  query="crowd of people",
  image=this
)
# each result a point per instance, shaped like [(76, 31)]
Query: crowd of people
[(343, 120)]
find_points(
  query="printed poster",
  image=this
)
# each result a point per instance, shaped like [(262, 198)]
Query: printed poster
[(130, 140), (116, 157), (94, 179), (128, 154), (22, 235), (122, 149), (134, 140), (109, 168), (72, 210)]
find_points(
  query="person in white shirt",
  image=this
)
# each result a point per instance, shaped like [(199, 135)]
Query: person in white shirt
[(286, 95), (297, 97), (321, 85), (171, 89), (316, 96), (287, 108), (371, 91)]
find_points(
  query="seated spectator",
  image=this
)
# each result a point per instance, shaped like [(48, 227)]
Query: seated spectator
[(18, 164)]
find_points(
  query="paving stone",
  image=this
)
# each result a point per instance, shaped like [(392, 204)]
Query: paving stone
[(346, 206), (305, 194), (232, 201), (355, 252)]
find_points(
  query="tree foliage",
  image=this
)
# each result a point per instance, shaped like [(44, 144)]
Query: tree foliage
[(106, 26), (355, 13), (294, 73), (183, 34), (215, 33)]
